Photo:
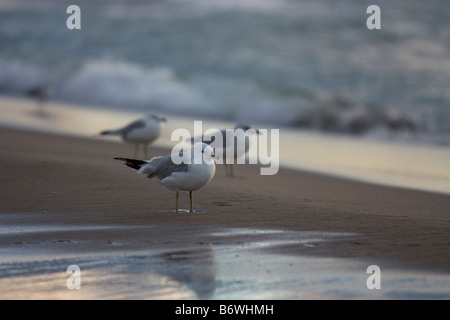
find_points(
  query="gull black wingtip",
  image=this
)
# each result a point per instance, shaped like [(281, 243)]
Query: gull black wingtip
[(132, 163)]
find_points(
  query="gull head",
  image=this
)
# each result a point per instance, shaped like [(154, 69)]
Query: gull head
[(207, 149), (203, 150), (156, 117), (245, 127)]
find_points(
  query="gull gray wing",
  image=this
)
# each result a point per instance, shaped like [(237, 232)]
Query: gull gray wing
[(134, 125), (162, 167), (125, 130)]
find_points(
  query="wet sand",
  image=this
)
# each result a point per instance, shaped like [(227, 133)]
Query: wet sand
[(64, 200)]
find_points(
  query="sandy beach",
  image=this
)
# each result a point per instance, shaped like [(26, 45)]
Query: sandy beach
[(66, 196)]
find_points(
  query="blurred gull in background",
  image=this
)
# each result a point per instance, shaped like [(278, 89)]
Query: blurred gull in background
[(242, 135), (143, 131), (41, 94)]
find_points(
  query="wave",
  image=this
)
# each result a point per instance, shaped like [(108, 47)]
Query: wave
[(311, 65), (343, 115), (340, 115), (127, 86), (17, 77)]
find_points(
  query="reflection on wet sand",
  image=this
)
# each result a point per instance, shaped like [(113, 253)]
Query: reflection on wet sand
[(195, 268), (168, 275), (222, 263)]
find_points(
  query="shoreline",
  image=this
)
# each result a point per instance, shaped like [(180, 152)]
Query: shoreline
[(404, 165)]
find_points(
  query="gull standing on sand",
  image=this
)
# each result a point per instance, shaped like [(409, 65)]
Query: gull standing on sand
[(186, 176), (231, 145), (143, 131)]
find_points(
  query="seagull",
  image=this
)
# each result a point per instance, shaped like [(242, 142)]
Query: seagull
[(231, 144), (189, 175), (143, 131), (41, 94)]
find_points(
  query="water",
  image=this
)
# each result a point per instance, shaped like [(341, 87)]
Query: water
[(219, 263), (304, 64)]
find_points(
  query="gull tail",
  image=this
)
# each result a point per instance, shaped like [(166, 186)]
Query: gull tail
[(133, 163), (110, 132)]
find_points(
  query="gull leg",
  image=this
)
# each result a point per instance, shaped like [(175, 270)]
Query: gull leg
[(231, 170), (190, 199), (145, 151), (177, 195), (136, 150), (41, 106)]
